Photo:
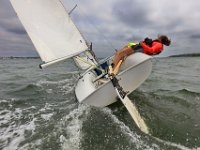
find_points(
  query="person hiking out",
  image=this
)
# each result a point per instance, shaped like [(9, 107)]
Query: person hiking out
[(148, 46)]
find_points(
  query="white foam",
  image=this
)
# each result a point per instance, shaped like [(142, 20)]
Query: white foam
[(47, 117), (73, 125), (31, 145), (7, 115), (173, 144), (13, 135), (66, 89), (46, 107), (66, 85), (50, 91), (46, 82), (3, 101)]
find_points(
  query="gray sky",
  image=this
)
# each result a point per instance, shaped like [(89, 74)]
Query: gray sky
[(111, 24)]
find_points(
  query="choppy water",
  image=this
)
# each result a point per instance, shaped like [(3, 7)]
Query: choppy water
[(39, 111)]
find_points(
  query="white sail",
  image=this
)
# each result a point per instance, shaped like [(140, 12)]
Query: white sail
[(50, 28)]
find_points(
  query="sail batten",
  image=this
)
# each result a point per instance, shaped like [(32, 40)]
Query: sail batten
[(50, 28)]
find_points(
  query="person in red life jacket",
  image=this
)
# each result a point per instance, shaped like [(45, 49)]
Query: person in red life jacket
[(148, 46)]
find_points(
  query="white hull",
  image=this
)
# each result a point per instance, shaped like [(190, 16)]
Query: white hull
[(134, 71)]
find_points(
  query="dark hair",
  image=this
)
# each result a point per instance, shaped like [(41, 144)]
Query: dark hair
[(165, 40)]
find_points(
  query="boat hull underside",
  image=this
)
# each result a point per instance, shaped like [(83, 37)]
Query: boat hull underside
[(134, 71)]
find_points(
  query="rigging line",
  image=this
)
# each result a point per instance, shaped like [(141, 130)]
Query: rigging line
[(93, 65), (72, 9), (92, 59), (98, 30), (85, 61)]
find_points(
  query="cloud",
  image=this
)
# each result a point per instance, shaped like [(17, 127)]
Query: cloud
[(13, 37), (196, 36), (131, 13), (10, 26), (111, 24)]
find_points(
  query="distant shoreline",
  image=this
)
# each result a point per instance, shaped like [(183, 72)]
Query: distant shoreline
[(178, 55), (187, 55), (12, 57)]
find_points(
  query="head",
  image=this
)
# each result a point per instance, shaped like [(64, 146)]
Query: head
[(164, 40)]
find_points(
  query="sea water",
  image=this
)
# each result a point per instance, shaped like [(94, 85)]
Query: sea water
[(39, 110)]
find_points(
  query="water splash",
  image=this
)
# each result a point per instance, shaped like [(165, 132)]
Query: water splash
[(72, 125), (12, 132)]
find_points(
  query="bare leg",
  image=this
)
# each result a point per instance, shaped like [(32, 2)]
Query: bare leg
[(121, 54)]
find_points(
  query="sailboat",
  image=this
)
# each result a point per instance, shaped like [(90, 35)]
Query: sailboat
[(56, 38)]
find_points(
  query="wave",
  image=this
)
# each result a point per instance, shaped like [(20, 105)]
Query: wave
[(13, 133), (72, 125), (44, 86), (135, 138), (188, 92), (171, 114), (185, 97), (140, 141), (49, 82), (59, 76), (27, 90), (33, 126), (183, 91)]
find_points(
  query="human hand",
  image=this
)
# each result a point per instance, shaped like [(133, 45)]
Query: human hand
[(141, 42)]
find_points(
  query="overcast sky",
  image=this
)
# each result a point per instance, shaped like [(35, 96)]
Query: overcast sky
[(110, 24)]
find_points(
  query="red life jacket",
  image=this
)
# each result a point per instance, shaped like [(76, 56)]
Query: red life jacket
[(155, 49)]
